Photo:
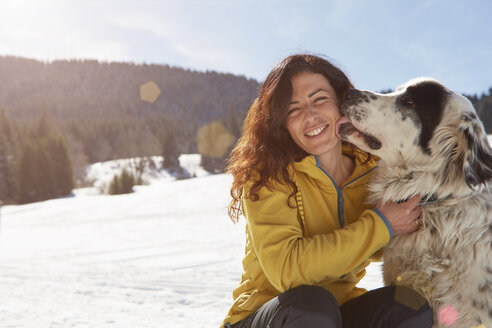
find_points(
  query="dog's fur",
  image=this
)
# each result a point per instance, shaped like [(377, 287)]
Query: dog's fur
[(431, 142)]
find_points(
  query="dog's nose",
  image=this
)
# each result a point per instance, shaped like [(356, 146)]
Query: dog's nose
[(352, 94)]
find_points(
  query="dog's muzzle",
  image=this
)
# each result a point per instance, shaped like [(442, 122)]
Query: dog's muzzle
[(345, 128), (348, 108)]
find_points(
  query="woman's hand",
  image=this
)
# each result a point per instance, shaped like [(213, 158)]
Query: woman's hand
[(403, 217)]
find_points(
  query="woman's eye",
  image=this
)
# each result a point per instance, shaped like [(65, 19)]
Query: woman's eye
[(292, 111), (320, 99)]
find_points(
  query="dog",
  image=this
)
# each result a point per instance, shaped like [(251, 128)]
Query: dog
[(431, 142)]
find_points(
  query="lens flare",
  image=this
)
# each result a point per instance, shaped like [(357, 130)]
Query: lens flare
[(149, 92), (448, 315)]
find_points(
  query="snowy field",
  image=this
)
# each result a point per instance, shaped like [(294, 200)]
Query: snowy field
[(164, 256)]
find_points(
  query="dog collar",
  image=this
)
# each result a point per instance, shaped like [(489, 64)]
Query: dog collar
[(426, 199)]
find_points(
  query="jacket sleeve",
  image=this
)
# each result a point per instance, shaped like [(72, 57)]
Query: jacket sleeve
[(289, 259)]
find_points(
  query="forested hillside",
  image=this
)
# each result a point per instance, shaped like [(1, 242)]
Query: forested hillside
[(483, 106), (99, 111), (99, 108)]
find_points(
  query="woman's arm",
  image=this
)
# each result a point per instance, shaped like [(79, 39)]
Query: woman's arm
[(289, 259)]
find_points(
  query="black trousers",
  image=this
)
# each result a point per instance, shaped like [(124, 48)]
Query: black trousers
[(311, 306)]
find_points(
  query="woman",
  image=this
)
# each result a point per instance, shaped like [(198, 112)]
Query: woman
[(309, 234)]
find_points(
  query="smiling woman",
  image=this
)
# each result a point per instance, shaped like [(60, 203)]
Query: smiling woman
[(309, 232)]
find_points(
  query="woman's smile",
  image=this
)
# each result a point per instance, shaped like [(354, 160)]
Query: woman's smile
[(316, 132)]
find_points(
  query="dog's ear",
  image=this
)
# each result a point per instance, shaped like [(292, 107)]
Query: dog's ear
[(477, 165)]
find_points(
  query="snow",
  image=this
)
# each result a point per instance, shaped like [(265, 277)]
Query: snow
[(102, 173), (166, 255)]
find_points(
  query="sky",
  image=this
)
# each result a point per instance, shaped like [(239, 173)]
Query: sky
[(378, 43)]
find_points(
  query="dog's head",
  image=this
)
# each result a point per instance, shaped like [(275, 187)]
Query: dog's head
[(422, 123)]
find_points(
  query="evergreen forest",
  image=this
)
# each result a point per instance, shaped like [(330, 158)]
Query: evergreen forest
[(91, 111)]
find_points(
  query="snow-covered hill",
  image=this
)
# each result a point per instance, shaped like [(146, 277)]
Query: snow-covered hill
[(101, 174), (165, 256)]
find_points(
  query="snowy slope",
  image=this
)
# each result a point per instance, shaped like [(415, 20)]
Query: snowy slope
[(164, 256), (102, 173)]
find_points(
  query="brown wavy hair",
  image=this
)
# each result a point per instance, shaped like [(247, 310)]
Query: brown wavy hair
[(265, 148)]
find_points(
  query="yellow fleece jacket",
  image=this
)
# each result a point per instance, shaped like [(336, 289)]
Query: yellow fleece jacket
[(327, 239)]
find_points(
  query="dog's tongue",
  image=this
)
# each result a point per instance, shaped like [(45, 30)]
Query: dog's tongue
[(344, 127), (339, 123)]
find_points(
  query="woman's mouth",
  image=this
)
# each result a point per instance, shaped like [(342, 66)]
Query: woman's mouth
[(317, 131)]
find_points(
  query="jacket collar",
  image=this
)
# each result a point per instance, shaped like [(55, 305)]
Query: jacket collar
[(309, 166)]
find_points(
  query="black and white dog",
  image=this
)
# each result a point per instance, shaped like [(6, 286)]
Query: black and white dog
[(431, 142)]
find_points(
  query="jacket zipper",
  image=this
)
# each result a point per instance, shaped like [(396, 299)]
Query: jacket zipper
[(340, 198)]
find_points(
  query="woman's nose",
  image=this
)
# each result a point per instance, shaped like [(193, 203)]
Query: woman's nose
[(311, 112)]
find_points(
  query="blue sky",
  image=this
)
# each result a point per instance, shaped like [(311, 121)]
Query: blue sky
[(379, 44)]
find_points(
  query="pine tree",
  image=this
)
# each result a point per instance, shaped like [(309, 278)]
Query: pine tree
[(127, 181), (8, 155), (45, 174), (43, 127), (212, 164), (485, 112), (114, 186), (233, 123), (122, 184), (26, 191), (4, 170), (170, 150), (44, 169), (60, 161)]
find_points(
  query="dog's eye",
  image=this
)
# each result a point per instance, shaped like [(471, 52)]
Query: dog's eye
[(407, 101)]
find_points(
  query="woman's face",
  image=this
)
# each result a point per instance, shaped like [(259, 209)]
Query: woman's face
[(312, 113)]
